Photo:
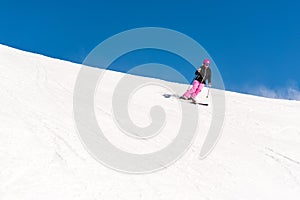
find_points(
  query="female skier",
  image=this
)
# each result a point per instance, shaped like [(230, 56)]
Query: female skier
[(203, 73)]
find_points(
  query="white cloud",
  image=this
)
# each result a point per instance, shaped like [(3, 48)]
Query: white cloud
[(294, 94), (266, 92), (290, 91)]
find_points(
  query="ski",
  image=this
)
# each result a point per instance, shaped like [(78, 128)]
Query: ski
[(184, 100), (198, 103)]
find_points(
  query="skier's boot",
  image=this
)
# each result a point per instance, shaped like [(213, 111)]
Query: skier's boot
[(183, 97)]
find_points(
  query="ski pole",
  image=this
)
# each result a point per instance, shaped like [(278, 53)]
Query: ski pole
[(207, 92)]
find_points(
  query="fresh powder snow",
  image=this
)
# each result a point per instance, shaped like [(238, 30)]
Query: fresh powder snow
[(42, 156)]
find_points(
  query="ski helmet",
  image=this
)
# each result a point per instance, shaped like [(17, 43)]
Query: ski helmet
[(206, 61)]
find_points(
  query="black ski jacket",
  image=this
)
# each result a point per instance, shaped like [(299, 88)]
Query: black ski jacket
[(203, 75)]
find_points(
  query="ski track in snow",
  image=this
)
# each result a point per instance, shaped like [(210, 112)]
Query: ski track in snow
[(41, 155)]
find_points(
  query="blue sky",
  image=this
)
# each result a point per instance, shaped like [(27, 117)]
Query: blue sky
[(255, 44)]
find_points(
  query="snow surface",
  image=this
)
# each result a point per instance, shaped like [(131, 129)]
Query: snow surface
[(42, 157)]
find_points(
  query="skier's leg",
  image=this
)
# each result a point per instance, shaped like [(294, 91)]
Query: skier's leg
[(198, 90), (189, 92)]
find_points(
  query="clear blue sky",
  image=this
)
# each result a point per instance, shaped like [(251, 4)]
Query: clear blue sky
[(255, 44)]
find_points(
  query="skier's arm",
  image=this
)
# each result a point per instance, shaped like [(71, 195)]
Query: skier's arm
[(209, 79), (197, 72)]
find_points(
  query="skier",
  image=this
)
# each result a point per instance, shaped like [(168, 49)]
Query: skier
[(203, 73)]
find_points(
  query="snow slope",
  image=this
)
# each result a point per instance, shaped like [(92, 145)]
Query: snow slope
[(42, 157)]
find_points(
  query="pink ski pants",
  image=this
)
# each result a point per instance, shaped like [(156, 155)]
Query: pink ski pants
[(194, 90)]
